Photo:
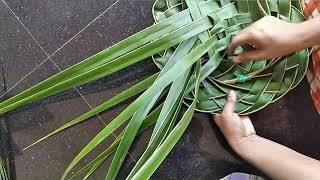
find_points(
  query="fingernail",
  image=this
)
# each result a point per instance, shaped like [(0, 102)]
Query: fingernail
[(232, 97), (232, 93)]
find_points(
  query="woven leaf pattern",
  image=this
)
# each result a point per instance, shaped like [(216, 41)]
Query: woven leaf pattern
[(258, 83)]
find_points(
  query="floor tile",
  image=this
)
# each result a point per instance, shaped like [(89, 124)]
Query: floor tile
[(19, 53), (54, 22), (19, 56), (5, 150), (125, 18), (49, 159), (122, 20)]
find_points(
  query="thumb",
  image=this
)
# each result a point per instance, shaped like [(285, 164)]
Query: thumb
[(231, 104)]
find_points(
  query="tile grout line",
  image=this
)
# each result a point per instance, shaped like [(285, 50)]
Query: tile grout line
[(49, 58), (9, 144), (99, 117)]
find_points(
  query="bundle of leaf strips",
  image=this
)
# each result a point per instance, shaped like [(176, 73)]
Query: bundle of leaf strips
[(188, 42), (3, 171)]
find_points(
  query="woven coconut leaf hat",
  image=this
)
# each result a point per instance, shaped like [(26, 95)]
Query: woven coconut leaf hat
[(188, 42)]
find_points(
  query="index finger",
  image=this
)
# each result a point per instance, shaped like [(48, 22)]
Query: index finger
[(241, 39)]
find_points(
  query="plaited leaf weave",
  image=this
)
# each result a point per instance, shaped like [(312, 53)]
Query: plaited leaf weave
[(188, 42), (257, 83)]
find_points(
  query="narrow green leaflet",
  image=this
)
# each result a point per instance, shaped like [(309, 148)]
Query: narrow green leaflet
[(3, 171), (164, 149), (128, 137), (147, 122), (160, 84), (175, 96), (107, 55), (117, 64), (173, 100), (138, 88)]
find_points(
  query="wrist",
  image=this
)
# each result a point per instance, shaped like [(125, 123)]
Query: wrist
[(308, 33), (244, 146)]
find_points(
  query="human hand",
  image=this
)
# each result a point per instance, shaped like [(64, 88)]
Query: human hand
[(236, 129), (273, 159), (266, 39)]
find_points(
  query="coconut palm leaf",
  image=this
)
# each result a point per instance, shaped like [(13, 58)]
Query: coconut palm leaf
[(93, 165), (138, 88), (188, 43), (164, 149), (3, 171)]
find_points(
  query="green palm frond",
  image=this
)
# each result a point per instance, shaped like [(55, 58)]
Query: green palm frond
[(188, 43), (3, 171)]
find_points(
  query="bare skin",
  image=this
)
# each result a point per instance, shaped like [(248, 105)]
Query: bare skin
[(269, 38)]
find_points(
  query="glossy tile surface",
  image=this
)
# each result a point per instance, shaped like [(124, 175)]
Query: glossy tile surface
[(53, 23)]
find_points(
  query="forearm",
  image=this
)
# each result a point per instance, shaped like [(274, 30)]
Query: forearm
[(308, 33), (277, 161)]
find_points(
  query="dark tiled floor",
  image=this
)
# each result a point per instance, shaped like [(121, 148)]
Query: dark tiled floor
[(58, 29), (54, 22)]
